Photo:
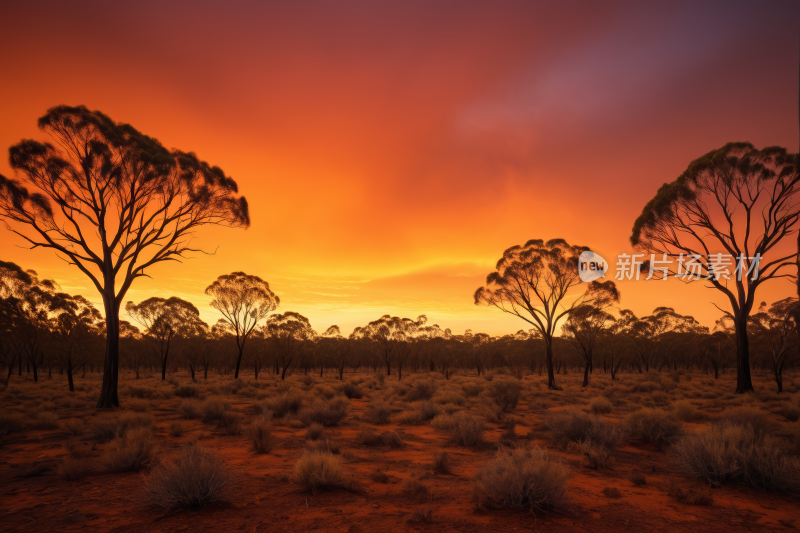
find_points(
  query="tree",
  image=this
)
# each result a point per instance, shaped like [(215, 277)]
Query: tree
[(647, 333), (738, 200), (163, 319), (74, 327), (244, 301), (776, 329), (113, 202), (339, 347), (388, 333), (585, 324), (532, 282), (289, 333)]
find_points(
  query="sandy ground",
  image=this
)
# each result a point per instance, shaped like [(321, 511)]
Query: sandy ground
[(264, 497)]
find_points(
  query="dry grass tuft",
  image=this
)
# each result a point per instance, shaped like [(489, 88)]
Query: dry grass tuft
[(574, 425), (530, 478), (612, 492), (505, 393), (696, 495), (314, 431), (378, 412), (441, 463), (653, 425), (132, 452), (197, 477), (318, 471), (600, 406), (261, 438), (326, 413)]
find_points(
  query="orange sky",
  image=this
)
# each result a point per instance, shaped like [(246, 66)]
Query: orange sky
[(391, 151)]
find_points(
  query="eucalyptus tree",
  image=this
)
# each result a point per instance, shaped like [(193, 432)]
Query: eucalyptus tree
[(532, 282), (289, 333), (337, 347), (163, 320), (647, 333), (244, 300), (113, 202), (390, 335), (585, 324), (737, 202), (776, 329), (75, 326)]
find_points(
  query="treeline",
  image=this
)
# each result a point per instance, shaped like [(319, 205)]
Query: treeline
[(44, 330)]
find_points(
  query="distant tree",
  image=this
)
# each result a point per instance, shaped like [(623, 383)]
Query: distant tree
[(75, 325), (647, 333), (776, 329), (244, 301), (113, 202), (586, 322), (289, 333), (163, 320), (387, 334), (25, 311), (735, 200), (532, 283), (337, 346)]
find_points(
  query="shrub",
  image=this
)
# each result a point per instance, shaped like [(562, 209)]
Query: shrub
[(420, 515), (414, 488), (367, 437), (72, 468), (505, 393), (195, 478), (449, 397), (467, 430), (612, 492), (106, 427), (175, 429), (186, 391), (697, 495), (600, 406), (214, 409), (325, 445), (391, 439), (289, 402), (441, 463), (378, 412), (325, 413), (471, 388), (732, 453), (141, 392), (379, 476), (314, 431), (133, 451), (523, 477), (751, 416), (190, 409), (47, 420), (230, 423), (790, 411), (637, 478), (318, 471), (596, 456), (351, 390), (75, 426), (260, 434), (687, 412), (653, 425), (573, 425)]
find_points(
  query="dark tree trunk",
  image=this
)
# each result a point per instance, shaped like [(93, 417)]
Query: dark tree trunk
[(551, 378), (108, 392), (586, 374), (69, 377), (743, 381), (239, 361)]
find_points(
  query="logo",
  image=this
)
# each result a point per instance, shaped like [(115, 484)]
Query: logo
[(591, 266)]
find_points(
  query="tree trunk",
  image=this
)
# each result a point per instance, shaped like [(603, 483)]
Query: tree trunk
[(69, 377), (238, 361), (108, 392), (586, 374), (743, 381), (551, 378)]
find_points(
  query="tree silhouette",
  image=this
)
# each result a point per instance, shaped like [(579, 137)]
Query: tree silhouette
[(337, 346), (736, 200), (532, 282), (163, 319), (113, 202), (244, 301), (776, 329), (289, 333), (74, 327), (586, 323), (390, 334)]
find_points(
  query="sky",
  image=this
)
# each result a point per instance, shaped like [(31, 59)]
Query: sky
[(391, 151)]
